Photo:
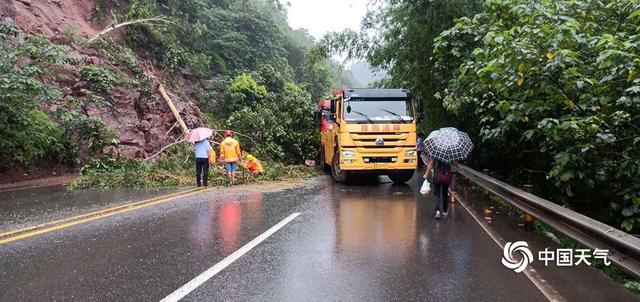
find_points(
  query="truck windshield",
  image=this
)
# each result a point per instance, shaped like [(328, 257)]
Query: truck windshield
[(378, 110)]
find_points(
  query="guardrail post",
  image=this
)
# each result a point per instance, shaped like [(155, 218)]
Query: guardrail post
[(467, 183), (485, 193), (528, 219)]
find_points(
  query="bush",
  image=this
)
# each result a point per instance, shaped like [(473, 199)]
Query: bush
[(115, 52), (90, 130), (279, 121), (101, 79), (555, 85), (28, 135), (199, 64)]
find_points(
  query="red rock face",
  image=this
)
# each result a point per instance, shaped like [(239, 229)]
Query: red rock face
[(142, 124), (47, 17)]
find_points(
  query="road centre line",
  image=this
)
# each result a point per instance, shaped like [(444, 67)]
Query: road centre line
[(27, 232), (208, 274)]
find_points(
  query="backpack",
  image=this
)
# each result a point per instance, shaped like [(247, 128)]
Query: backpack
[(442, 174)]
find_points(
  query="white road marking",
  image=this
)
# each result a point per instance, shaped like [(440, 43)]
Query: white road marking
[(547, 289), (208, 274)]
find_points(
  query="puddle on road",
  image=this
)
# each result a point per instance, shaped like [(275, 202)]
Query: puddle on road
[(220, 222)]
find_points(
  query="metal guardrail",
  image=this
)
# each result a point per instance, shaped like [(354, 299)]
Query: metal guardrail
[(624, 248)]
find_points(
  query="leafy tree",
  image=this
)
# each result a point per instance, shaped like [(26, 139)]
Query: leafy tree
[(397, 36), (279, 121), (557, 79)]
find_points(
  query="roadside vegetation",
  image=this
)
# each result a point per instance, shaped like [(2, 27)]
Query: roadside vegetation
[(175, 168), (31, 79), (242, 64), (553, 84)]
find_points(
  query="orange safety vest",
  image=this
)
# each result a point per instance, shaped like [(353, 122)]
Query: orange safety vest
[(230, 150), (254, 166)]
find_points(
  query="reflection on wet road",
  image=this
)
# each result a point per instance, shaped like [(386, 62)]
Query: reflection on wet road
[(356, 242)]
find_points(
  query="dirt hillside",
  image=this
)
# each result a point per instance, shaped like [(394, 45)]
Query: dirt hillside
[(144, 124)]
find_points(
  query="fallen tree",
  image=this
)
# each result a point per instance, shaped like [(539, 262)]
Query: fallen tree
[(115, 25)]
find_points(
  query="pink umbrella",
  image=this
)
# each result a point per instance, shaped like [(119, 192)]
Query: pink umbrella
[(199, 134)]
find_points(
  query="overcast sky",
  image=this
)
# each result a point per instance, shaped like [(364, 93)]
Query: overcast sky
[(322, 16)]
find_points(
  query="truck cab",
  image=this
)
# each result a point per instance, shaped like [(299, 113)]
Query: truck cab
[(373, 132)]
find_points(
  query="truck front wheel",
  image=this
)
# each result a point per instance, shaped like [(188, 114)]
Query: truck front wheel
[(338, 174), (401, 177)]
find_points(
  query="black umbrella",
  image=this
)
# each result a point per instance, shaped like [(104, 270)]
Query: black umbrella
[(448, 144)]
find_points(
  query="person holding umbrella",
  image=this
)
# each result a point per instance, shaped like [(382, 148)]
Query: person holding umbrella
[(445, 147), (442, 178), (203, 150)]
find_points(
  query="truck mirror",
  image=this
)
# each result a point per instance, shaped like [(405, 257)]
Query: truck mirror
[(316, 117), (333, 106), (420, 105)]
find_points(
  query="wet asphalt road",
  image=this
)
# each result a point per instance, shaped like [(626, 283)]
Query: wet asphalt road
[(358, 242)]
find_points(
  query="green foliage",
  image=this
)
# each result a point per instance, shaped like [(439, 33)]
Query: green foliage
[(101, 79), (229, 37), (29, 76), (28, 135), (94, 134), (8, 32), (397, 36), (556, 80), (280, 120), (243, 92), (118, 54), (176, 167)]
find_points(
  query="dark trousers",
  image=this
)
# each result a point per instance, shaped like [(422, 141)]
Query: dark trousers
[(202, 169), (441, 192)]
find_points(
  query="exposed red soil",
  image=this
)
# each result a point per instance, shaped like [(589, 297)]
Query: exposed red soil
[(143, 124)]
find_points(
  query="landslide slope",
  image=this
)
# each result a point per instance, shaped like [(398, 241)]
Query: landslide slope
[(103, 82)]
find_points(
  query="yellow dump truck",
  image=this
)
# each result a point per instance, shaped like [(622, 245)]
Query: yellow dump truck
[(374, 132)]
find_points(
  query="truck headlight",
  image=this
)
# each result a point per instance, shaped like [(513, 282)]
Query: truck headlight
[(348, 154), (410, 153)]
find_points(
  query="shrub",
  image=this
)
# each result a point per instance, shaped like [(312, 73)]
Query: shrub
[(115, 52), (28, 135), (101, 79), (90, 130), (279, 121)]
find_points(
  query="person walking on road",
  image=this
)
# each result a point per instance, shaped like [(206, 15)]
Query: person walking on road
[(442, 177), (230, 153), (202, 149), (420, 148)]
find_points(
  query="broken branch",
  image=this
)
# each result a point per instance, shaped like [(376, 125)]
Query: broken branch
[(113, 25)]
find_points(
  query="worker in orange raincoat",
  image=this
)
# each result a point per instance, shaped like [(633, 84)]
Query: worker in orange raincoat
[(230, 154), (253, 165)]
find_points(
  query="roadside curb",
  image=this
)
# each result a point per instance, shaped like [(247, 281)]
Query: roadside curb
[(38, 183)]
